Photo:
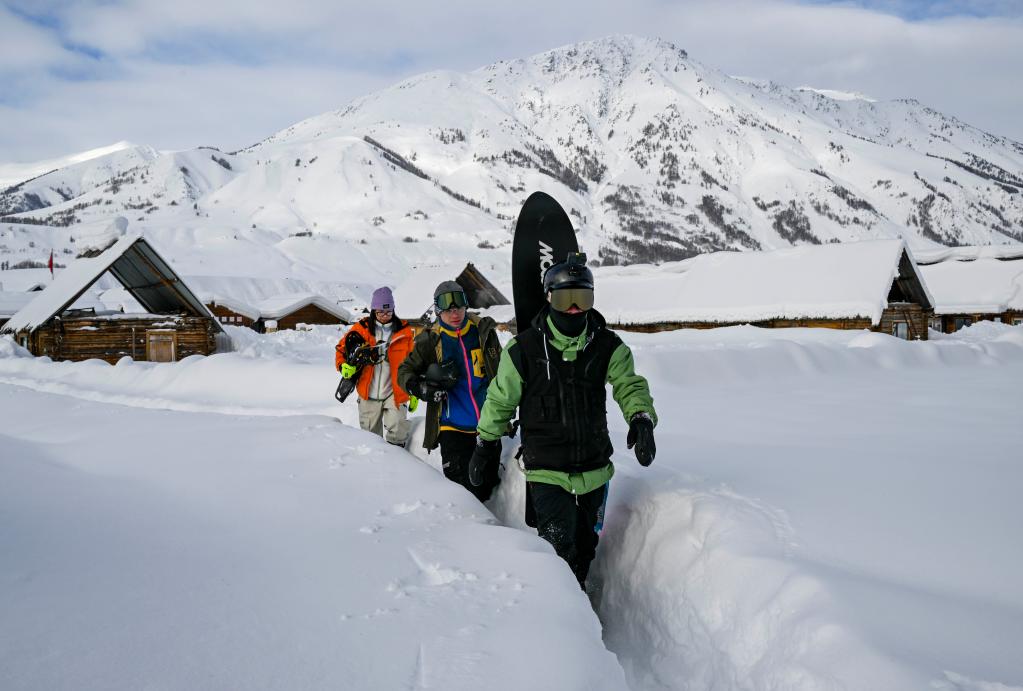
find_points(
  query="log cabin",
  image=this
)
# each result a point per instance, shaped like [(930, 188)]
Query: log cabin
[(174, 325), (871, 285), (285, 311), (969, 290)]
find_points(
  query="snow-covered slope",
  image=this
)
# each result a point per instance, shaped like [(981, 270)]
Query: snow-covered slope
[(15, 173), (655, 155)]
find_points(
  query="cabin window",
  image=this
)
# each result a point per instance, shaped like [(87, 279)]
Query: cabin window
[(935, 323), (960, 322), (1017, 321), (901, 330)]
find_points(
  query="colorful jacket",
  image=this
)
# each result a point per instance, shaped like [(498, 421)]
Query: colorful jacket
[(398, 348), (476, 351)]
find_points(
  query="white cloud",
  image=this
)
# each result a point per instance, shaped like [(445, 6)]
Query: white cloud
[(246, 68), (24, 46), (177, 107)]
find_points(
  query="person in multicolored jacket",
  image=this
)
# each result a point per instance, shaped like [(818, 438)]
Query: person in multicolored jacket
[(388, 340), (556, 373), (450, 367)]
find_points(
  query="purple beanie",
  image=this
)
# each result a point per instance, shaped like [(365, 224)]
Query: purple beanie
[(382, 299)]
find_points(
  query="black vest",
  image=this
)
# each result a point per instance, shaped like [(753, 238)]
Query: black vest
[(563, 409)]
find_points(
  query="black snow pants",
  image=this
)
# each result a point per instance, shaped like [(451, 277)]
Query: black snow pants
[(568, 521), (456, 450)]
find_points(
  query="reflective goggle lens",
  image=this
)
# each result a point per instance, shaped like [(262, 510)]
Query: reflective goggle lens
[(564, 298), (446, 301)]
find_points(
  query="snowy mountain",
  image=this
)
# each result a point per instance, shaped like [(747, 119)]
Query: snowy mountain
[(14, 173), (655, 155)]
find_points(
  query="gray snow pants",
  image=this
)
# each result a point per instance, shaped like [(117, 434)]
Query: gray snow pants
[(383, 418)]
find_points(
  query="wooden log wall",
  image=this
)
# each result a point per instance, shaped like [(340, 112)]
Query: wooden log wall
[(910, 312), (84, 338), (948, 321), (233, 318), (310, 314)]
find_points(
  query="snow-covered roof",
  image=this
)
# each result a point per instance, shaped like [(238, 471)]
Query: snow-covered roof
[(133, 262), (237, 306), (12, 302), (279, 306), (984, 285), (282, 305), (833, 281), (933, 256)]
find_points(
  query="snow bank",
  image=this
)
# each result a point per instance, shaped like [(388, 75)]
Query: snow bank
[(825, 512), (152, 549)]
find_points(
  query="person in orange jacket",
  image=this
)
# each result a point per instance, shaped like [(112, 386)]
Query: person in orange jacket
[(383, 404)]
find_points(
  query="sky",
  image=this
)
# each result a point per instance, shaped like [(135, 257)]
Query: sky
[(81, 74)]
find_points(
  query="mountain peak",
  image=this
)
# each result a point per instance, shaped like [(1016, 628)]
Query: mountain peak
[(654, 155)]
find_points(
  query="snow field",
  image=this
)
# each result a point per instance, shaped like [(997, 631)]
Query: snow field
[(828, 510)]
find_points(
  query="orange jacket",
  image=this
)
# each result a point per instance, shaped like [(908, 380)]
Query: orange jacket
[(398, 349)]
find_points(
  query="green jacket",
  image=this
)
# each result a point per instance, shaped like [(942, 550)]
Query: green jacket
[(427, 348), (630, 391)]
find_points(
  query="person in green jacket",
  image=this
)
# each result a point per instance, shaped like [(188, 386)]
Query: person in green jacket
[(556, 374)]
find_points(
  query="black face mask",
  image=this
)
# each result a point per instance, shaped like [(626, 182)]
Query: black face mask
[(569, 324)]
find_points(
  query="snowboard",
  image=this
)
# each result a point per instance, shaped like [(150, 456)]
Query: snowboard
[(543, 236)]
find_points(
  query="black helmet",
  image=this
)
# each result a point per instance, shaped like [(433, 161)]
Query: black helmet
[(571, 273)]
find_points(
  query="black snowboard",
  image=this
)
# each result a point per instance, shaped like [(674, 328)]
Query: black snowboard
[(543, 236)]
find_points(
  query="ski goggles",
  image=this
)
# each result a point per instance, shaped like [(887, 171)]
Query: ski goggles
[(563, 298), (446, 301)]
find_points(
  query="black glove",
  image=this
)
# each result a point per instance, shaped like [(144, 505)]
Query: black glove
[(425, 391), (641, 435), (443, 376), (486, 452)]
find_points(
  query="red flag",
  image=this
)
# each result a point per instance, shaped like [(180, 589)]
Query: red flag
[(51, 264)]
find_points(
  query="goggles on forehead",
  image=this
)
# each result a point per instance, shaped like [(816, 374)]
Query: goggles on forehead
[(446, 301), (563, 298)]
